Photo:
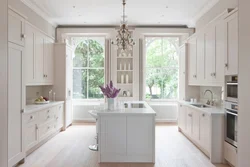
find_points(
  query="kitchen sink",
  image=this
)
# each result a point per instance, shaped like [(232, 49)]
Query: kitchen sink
[(200, 105)]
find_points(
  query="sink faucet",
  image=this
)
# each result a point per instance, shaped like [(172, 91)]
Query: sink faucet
[(210, 102)]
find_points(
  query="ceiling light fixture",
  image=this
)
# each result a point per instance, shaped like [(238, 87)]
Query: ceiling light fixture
[(124, 38)]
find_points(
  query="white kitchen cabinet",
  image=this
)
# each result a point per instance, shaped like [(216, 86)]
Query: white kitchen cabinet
[(30, 54), (192, 60), (196, 125), (16, 28), (232, 41), (63, 78), (200, 61), (205, 138), (15, 103), (182, 72), (48, 65), (210, 60), (189, 121), (182, 123), (39, 58), (230, 153)]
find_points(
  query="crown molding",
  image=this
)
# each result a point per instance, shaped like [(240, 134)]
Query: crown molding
[(38, 10), (202, 12)]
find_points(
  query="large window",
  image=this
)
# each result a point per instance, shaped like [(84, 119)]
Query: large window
[(88, 67), (162, 67)]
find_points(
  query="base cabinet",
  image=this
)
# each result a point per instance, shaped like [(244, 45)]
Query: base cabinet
[(205, 130), (40, 125), (230, 153)]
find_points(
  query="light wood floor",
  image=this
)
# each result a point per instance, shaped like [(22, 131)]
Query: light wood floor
[(70, 149)]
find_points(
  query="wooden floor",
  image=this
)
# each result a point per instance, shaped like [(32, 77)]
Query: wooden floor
[(70, 149)]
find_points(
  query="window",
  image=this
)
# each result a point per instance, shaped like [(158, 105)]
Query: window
[(88, 67), (162, 67)]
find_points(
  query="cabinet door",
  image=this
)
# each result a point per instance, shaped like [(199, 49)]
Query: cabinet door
[(15, 96), (210, 54), (189, 122), (220, 52), (192, 58), (205, 131), (30, 55), (182, 118), (16, 28), (110, 128), (196, 126), (48, 61), (69, 73), (182, 73), (39, 45), (200, 59), (231, 59), (31, 136)]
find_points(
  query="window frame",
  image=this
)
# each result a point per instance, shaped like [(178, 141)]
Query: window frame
[(145, 68), (101, 100)]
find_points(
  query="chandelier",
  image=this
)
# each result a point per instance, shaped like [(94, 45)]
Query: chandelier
[(124, 38)]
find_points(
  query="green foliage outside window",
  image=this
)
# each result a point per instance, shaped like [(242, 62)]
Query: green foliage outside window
[(88, 69), (162, 67)]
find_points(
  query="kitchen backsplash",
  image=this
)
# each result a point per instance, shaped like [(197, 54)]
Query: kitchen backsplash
[(218, 94)]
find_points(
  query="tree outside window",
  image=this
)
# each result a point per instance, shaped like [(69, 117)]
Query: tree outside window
[(88, 68), (162, 67)]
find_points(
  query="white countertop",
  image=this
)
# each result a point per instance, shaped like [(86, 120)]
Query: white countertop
[(128, 111), (213, 110), (37, 107)]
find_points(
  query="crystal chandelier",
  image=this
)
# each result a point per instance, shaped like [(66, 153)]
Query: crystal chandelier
[(124, 38)]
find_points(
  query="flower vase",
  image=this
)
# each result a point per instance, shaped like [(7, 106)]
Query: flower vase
[(111, 103)]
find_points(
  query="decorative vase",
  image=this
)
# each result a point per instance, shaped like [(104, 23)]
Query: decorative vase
[(111, 103)]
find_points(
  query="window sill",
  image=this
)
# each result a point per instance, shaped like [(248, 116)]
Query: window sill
[(88, 101)]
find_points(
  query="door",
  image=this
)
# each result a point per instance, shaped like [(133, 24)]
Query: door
[(16, 25), (182, 118), (39, 45), (205, 131), (200, 59), (182, 73), (192, 68), (231, 59), (210, 73), (48, 61), (30, 55), (15, 103)]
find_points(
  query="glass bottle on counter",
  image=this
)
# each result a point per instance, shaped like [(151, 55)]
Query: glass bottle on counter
[(54, 96)]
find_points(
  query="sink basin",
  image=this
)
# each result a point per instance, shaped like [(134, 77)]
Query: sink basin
[(93, 113), (200, 105)]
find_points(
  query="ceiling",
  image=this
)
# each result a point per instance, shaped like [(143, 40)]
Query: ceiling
[(108, 12)]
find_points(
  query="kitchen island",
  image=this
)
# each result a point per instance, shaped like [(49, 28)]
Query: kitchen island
[(126, 135)]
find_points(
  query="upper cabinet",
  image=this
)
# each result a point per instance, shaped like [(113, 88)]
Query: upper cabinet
[(39, 59), (231, 56), (212, 49), (16, 28), (192, 58)]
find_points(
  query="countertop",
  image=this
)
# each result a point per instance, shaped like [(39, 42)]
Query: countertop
[(128, 111), (212, 110), (37, 107)]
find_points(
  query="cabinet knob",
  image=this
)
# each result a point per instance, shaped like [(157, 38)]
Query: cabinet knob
[(203, 115), (48, 111), (226, 65), (48, 117), (31, 117), (23, 36)]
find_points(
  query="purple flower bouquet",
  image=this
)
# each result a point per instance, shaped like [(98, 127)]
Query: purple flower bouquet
[(110, 91)]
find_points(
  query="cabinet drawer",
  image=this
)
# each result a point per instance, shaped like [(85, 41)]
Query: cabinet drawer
[(46, 130), (230, 153), (30, 118), (46, 115)]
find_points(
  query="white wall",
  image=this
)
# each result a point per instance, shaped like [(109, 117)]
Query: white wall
[(220, 7), (244, 82), (3, 83), (33, 18)]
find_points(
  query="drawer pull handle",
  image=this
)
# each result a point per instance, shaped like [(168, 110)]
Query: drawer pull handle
[(31, 117)]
